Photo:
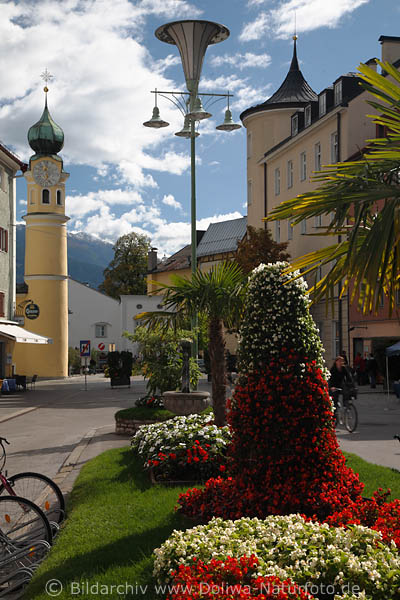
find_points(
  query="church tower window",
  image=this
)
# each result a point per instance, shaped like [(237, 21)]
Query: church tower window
[(45, 196)]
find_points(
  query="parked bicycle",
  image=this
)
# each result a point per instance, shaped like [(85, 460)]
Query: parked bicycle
[(345, 411), (37, 488)]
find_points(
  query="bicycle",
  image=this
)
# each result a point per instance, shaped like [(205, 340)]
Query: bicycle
[(37, 488), (345, 411)]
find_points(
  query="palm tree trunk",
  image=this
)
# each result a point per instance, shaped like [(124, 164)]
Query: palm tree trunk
[(218, 371)]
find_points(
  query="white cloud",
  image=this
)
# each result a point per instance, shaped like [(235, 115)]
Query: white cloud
[(101, 92), (169, 200), (242, 61), (309, 15)]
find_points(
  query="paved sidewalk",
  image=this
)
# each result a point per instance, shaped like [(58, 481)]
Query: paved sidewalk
[(378, 422), (60, 426)]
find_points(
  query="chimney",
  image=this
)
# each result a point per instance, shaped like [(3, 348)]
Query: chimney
[(371, 63), (152, 260), (390, 48)]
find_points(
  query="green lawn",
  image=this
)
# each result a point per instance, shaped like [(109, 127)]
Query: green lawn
[(116, 519), (374, 476), (144, 413)]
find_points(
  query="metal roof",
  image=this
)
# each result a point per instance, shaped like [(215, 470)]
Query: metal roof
[(222, 237), (293, 91)]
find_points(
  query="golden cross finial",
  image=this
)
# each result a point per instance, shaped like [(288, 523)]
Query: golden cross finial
[(46, 76)]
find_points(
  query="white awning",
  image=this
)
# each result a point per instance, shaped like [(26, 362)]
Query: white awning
[(21, 335)]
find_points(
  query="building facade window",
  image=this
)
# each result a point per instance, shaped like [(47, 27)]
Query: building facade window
[(101, 330), (277, 179), (318, 221), (45, 196), (2, 304), (338, 95), (3, 180), (303, 227), (322, 105), (303, 166), (335, 338), (3, 240), (307, 116), (249, 192), (32, 197), (59, 198), (249, 144), (317, 156), (334, 147), (295, 124), (277, 231), (290, 174), (289, 230)]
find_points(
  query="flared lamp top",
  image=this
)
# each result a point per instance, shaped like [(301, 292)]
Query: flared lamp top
[(192, 39)]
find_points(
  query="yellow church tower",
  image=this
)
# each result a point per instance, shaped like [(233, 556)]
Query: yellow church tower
[(45, 305)]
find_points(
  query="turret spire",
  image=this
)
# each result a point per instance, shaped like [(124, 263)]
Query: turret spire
[(46, 137)]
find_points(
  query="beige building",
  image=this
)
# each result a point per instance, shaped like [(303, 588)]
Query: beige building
[(291, 135)]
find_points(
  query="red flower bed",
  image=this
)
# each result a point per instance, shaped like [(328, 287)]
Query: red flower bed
[(232, 579), (375, 513), (284, 457)]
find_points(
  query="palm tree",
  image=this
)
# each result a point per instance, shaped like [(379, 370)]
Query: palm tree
[(364, 198), (218, 294)]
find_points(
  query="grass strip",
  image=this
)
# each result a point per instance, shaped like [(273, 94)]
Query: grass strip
[(374, 476), (115, 520), (144, 413)]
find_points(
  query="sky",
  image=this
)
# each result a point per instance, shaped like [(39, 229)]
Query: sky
[(105, 60)]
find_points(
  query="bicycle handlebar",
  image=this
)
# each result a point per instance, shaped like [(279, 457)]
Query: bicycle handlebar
[(4, 440)]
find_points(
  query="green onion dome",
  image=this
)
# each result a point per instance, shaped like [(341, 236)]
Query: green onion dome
[(45, 136)]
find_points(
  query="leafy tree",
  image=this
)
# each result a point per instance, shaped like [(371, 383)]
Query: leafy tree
[(364, 198), (161, 358), (259, 247), (126, 273), (218, 295)]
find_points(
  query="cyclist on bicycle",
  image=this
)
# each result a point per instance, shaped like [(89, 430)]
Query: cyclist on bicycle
[(340, 379)]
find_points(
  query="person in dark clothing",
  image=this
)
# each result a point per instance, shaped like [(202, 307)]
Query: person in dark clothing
[(340, 378), (372, 370), (344, 355)]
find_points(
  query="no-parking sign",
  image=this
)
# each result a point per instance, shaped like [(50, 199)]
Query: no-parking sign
[(85, 347), (101, 346)]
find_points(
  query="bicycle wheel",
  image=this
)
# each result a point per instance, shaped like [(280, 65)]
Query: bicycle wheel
[(22, 522), (350, 417), (41, 490)]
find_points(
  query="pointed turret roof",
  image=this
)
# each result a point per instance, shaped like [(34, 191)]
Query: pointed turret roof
[(46, 137), (294, 91)]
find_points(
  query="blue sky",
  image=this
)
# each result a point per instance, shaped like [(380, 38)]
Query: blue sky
[(105, 60)]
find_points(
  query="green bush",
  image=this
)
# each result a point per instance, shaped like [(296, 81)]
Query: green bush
[(161, 359), (74, 360)]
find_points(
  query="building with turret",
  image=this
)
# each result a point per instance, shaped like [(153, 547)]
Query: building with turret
[(290, 136), (44, 303)]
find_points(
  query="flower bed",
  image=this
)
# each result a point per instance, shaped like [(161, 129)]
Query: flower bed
[(188, 448), (231, 579), (328, 562), (147, 410)]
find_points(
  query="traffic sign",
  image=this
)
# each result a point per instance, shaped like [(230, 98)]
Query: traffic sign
[(85, 347), (101, 346)]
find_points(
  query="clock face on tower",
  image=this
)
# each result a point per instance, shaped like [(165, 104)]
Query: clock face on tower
[(46, 173)]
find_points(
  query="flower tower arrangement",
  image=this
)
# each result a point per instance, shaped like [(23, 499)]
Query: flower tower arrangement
[(284, 457)]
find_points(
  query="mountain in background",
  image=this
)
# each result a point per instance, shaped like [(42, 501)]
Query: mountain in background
[(87, 257)]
